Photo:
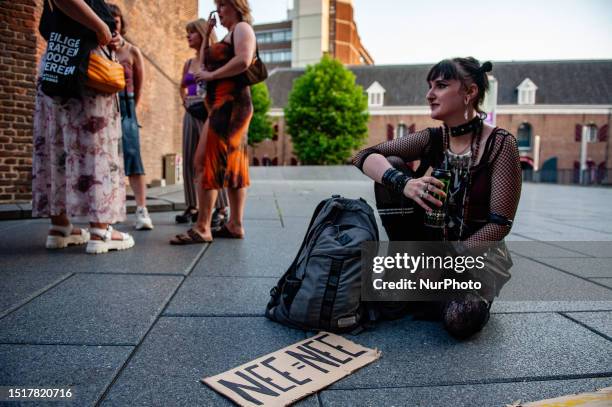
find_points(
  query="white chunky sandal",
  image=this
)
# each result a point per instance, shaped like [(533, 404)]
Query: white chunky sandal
[(67, 238), (107, 243)]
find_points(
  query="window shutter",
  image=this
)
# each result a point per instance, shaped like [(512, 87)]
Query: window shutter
[(578, 132), (602, 135), (390, 132)]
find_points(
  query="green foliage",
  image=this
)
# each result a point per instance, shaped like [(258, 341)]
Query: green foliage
[(327, 114), (261, 125)]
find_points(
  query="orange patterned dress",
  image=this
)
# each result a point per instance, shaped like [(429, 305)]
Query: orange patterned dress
[(228, 100)]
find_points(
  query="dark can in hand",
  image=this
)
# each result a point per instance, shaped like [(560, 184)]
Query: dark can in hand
[(444, 176), (435, 218)]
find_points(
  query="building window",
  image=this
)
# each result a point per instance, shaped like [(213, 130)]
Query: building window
[(267, 37), (524, 136), (275, 56), (527, 92), (591, 133), (376, 94), (401, 130)]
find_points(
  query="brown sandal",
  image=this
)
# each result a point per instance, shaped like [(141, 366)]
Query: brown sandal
[(191, 237), (224, 232)]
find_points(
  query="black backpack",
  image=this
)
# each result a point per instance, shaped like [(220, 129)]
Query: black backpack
[(321, 290)]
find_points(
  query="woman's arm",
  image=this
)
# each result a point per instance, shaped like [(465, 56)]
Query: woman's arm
[(182, 87), (244, 49), (506, 180), (373, 163), (80, 12), (139, 75)]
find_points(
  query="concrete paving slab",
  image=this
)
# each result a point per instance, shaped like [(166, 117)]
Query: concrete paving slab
[(511, 347), (607, 281), (152, 253), (591, 248), (497, 394), (587, 267), (501, 306), (261, 208), (264, 252), (222, 296), (599, 321), (18, 287), (533, 281), (541, 250), (87, 369), (178, 352), (91, 309)]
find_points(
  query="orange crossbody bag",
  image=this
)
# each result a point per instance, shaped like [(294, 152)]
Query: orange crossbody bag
[(104, 75)]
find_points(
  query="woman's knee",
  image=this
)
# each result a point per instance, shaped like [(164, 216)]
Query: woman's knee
[(463, 318)]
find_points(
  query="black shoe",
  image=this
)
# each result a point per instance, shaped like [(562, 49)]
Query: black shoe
[(218, 219), (186, 216)]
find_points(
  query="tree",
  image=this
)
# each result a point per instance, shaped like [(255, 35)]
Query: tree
[(327, 114), (261, 125)]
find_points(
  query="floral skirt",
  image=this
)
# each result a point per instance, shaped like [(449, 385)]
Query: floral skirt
[(76, 165)]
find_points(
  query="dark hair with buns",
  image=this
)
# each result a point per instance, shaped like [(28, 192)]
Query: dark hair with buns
[(467, 70)]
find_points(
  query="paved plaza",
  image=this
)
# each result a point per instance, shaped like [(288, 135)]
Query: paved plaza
[(143, 326)]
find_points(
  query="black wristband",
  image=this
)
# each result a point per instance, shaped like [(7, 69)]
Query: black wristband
[(395, 180)]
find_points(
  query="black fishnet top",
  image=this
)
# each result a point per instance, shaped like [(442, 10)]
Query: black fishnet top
[(496, 179)]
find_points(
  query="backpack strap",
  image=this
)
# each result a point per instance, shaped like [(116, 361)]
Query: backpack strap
[(331, 289)]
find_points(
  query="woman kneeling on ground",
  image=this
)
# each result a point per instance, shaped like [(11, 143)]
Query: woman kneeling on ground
[(485, 176)]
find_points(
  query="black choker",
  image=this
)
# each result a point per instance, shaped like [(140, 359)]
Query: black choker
[(466, 128)]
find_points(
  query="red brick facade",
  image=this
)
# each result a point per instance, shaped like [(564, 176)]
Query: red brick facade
[(557, 133), (18, 60), (345, 43), (160, 112)]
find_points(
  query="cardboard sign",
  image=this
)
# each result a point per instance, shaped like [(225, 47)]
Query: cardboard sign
[(601, 398), (294, 372)]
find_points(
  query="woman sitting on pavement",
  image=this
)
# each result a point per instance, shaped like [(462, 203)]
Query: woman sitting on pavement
[(76, 166), (130, 57), (192, 94), (485, 172)]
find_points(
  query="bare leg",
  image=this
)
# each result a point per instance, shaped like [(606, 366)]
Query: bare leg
[(206, 200), (137, 182), (237, 199)]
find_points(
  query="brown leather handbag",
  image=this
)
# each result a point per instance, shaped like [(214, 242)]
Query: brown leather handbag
[(104, 75), (257, 71)]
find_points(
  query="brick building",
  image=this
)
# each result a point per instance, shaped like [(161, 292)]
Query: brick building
[(545, 104), (313, 28), (157, 28)]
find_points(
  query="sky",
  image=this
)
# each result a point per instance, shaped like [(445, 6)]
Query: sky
[(425, 31)]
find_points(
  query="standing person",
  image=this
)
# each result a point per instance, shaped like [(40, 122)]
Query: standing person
[(485, 183), (76, 167), (192, 94), (223, 162), (130, 58)]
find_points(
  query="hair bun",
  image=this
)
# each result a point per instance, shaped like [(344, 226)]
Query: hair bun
[(486, 67)]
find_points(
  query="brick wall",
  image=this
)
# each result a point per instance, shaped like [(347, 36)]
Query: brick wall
[(158, 28), (556, 132), (18, 58)]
